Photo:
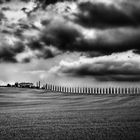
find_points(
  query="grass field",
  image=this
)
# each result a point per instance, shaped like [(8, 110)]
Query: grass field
[(33, 114)]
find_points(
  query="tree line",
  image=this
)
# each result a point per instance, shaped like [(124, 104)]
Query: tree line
[(92, 90)]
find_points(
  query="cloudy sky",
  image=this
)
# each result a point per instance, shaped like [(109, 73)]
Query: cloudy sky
[(79, 42)]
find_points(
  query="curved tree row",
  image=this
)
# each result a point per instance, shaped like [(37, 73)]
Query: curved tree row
[(93, 90)]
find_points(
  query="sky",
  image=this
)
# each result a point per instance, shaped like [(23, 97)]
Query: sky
[(70, 42)]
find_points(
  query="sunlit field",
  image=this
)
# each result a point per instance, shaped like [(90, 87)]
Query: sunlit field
[(35, 114)]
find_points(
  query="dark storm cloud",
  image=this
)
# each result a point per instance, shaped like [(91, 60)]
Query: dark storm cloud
[(126, 78), (1, 16), (43, 29), (44, 51), (62, 36), (124, 17), (117, 67), (3, 1), (116, 40), (45, 3), (67, 37), (117, 77), (100, 15), (103, 68), (23, 50), (5, 8), (8, 52), (37, 50), (56, 32)]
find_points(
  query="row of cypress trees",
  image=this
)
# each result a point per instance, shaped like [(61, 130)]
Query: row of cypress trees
[(93, 90)]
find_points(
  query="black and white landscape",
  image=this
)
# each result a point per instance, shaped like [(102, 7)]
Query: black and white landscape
[(69, 43)]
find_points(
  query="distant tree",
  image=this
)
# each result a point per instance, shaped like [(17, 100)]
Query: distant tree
[(16, 84), (8, 85)]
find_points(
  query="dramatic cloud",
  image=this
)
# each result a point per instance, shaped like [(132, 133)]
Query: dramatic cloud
[(65, 33), (120, 66), (59, 27), (104, 32), (101, 15), (9, 47), (28, 25), (73, 38)]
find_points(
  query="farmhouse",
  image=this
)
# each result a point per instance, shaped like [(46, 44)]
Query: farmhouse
[(25, 85)]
